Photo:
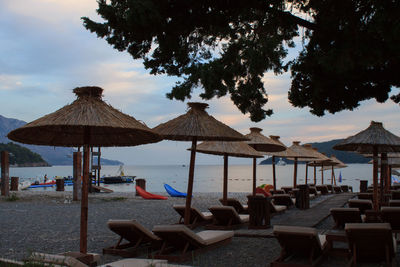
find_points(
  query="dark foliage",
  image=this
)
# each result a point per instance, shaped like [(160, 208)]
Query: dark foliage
[(226, 46), (20, 155)]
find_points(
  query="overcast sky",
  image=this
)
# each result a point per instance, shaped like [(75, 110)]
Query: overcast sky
[(46, 52)]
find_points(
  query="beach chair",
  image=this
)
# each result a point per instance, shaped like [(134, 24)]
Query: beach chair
[(197, 218), (361, 204), (277, 191), (283, 200), (276, 209), (300, 246), (137, 236), (323, 189), (370, 242), (313, 191), (396, 194), (337, 189), (179, 238), (287, 189), (71, 259), (330, 188), (345, 188), (365, 196), (226, 218), (241, 209), (341, 216), (394, 203), (391, 215)]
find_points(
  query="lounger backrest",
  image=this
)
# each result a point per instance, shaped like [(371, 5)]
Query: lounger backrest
[(345, 188), (131, 230), (179, 235), (194, 213), (54, 260), (299, 240), (283, 199), (341, 216), (370, 241), (361, 204), (225, 214), (323, 189), (365, 196), (233, 202), (391, 215)]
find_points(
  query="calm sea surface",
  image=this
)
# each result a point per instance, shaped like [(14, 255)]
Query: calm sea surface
[(208, 178)]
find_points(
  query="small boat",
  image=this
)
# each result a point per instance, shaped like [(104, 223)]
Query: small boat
[(172, 192), (118, 179), (281, 162), (24, 185), (48, 183)]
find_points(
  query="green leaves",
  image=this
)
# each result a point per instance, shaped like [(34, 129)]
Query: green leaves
[(225, 47)]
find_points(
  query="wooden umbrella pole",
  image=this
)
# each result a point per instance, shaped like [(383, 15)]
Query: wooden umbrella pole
[(307, 172), (322, 173), (295, 173), (254, 175), (190, 182), (375, 178), (389, 177), (84, 200), (225, 189), (273, 172), (384, 163), (315, 175), (332, 175)]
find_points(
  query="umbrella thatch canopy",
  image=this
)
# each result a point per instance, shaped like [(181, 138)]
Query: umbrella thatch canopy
[(264, 144), (320, 160), (375, 139), (288, 153), (395, 172), (196, 125), (88, 121), (234, 149), (68, 126), (303, 153)]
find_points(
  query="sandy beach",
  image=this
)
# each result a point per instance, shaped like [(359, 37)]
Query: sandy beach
[(49, 222)]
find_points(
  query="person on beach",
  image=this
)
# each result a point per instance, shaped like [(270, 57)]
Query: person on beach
[(45, 178)]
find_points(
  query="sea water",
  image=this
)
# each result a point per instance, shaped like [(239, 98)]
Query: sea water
[(207, 178)]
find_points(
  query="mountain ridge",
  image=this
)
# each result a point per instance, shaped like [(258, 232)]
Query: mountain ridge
[(52, 155)]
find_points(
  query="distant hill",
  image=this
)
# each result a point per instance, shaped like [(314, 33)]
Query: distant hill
[(22, 156), (52, 155), (326, 147)]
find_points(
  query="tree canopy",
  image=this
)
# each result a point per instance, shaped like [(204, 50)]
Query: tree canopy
[(349, 53)]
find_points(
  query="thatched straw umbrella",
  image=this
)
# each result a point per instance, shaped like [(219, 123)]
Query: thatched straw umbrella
[(303, 153), (288, 153), (375, 139), (319, 159), (233, 149), (87, 122), (263, 144), (196, 125), (339, 165)]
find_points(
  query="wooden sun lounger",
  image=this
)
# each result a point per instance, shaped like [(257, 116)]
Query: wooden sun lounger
[(370, 242), (323, 189), (283, 199), (186, 242), (226, 217), (239, 207), (77, 260), (197, 218), (361, 204), (136, 235), (391, 215), (341, 216), (299, 241)]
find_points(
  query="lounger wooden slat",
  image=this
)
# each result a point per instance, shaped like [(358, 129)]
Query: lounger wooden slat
[(186, 243), (226, 218), (239, 207), (370, 242), (341, 216), (197, 218), (136, 235), (304, 242)]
